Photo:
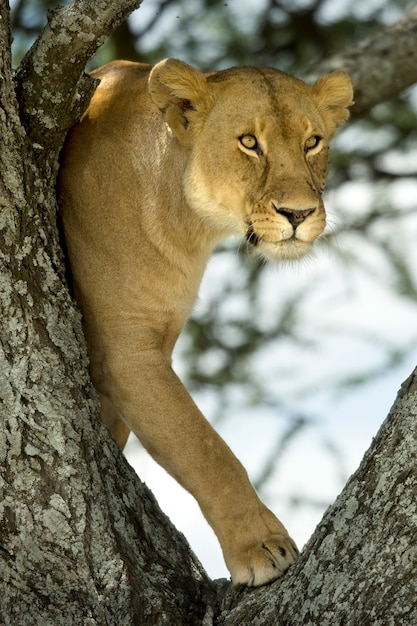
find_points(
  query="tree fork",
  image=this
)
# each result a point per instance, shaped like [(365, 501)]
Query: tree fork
[(82, 539)]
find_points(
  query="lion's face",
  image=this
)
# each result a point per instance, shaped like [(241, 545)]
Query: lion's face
[(258, 149)]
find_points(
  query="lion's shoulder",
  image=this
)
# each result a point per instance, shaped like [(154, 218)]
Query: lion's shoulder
[(122, 71)]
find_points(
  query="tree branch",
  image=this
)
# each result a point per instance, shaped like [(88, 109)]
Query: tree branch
[(52, 90), (5, 42), (381, 67), (359, 566)]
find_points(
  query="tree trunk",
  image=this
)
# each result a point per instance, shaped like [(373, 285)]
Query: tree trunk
[(359, 568), (82, 541)]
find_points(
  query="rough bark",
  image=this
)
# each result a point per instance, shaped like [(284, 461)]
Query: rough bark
[(51, 86), (82, 540), (359, 568)]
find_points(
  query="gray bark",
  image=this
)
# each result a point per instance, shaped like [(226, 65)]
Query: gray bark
[(359, 567), (82, 541)]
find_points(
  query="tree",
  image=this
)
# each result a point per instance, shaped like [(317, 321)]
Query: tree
[(82, 539)]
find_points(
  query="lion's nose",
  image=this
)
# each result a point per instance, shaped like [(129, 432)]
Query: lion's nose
[(294, 216)]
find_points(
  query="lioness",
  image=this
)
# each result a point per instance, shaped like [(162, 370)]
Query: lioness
[(165, 162)]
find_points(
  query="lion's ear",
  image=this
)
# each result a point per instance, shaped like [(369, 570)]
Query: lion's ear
[(181, 93), (333, 93)]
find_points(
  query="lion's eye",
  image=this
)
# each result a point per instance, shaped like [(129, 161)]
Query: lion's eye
[(249, 141), (312, 142)]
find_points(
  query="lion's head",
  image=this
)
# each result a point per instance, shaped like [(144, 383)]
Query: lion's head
[(258, 148)]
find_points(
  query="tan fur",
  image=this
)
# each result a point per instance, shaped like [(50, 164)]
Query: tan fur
[(166, 162)]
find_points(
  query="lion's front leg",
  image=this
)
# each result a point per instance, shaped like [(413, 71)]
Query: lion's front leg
[(152, 401)]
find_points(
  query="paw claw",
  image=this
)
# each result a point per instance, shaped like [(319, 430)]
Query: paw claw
[(264, 561)]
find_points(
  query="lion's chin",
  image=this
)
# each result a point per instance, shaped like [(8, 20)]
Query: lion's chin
[(285, 250)]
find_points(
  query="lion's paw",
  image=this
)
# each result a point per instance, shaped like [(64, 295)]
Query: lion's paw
[(263, 561)]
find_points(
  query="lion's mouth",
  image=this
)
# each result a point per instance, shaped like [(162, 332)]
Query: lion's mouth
[(288, 249), (255, 240)]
